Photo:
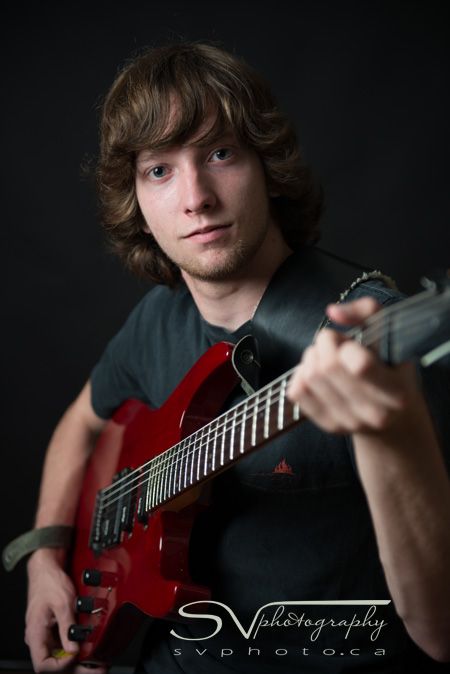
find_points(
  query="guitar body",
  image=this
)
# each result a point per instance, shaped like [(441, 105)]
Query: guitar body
[(147, 572)]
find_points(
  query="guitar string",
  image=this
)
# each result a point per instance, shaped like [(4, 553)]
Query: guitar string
[(377, 321), (163, 460)]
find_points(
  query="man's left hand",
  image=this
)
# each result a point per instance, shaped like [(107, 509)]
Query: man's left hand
[(344, 387)]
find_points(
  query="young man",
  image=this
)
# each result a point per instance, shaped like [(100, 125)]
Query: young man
[(204, 192)]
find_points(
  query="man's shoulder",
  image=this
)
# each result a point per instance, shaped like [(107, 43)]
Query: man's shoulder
[(160, 301)]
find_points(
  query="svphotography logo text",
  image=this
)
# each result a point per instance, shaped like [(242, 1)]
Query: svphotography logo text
[(283, 615)]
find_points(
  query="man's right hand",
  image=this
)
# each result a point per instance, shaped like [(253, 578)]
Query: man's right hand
[(51, 594)]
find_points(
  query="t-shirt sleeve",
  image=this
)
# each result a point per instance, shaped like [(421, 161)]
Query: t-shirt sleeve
[(117, 375), (157, 345)]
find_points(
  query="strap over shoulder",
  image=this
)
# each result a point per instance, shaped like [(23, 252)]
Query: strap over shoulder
[(292, 308)]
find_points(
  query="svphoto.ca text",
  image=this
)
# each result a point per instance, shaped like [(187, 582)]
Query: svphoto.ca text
[(282, 652)]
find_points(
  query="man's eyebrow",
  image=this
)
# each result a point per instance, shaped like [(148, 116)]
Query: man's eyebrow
[(147, 155), (214, 139)]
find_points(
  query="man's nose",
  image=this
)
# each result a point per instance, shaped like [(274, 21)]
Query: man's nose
[(199, 194)]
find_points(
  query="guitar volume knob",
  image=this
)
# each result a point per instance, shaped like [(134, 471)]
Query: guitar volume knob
[(89, 604), (97, 578), (78, 632), (85, 604), (92, 577)]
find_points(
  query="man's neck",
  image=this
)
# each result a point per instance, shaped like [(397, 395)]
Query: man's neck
[(232, 302)]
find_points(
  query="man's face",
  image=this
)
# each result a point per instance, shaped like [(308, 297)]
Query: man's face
[(206, 206)]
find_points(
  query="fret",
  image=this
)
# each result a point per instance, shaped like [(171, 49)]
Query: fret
[(208, 433), (150, 485), (192, 453), (178, 477), (173, 469), (255, 419), (189, 457), (167, 467), (158, 481), (154, 483), (243, 422), (177, 466), (160, 478), (233, 429), (267, 414), (199, 457), (213, 467), (162, 473), (197, 454), (184, 467), (185, 460), (281, 405), (222, 447), (169, 471)]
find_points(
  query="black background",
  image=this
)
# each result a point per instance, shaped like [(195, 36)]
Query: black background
[(366, 84)]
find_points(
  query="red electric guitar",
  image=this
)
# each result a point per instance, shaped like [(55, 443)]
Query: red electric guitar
[(139, 498)]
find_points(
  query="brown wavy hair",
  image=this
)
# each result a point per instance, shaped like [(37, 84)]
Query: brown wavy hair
[(138, 113)]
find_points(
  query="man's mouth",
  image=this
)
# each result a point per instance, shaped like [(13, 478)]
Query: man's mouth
[(208, 233)]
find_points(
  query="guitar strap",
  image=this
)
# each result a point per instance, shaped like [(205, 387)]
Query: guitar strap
[(292, 309)]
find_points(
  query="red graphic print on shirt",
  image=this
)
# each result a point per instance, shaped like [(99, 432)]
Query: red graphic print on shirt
[(283, 467)]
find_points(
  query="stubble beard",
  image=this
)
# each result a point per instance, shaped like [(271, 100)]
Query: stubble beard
[(229, 266)]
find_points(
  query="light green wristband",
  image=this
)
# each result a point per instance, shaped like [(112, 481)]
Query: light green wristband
[(58, 536)]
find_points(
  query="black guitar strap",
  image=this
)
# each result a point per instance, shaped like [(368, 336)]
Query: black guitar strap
[(291, 310)]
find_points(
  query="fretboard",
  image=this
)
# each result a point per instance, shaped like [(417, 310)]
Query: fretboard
[(214, 447), (198, 457)]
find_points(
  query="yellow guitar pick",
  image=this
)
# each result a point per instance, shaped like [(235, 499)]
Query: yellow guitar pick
[(61, 653)]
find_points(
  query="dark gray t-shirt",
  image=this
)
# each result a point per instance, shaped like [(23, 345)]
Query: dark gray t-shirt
[(288, 522)]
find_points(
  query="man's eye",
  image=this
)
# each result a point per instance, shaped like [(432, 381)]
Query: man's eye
[(157, 172), (222, 153)]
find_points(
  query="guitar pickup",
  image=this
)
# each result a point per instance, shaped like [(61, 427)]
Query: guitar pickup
[(124, 506)]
